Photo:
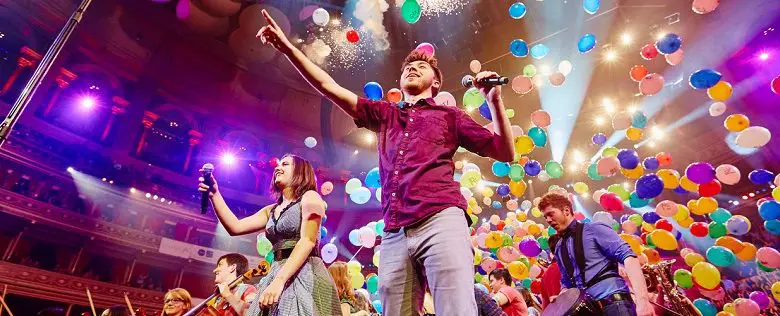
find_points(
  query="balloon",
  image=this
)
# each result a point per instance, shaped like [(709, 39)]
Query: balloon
[(518, 270), (717, 109), (664, 224), (517, 10), (611, 202), (565, 67), (720, 215), (511, 205), (638, 119), (599, 139), (329, 253), (516, 172), (649, 52), (753, 137), (769, 210), (621, 191), (666, 208), (372, 178), (373, 91), (553, 169), (538, 51), (663, 239), (352, 185), (538, 135), (522, 85), (634, 134), (321, 17), (776, 290), (761, 299), (692, 259), (354, 237), (675, 58), (609, 152), (593, 173), (683, 278), (704, 79), (700, 172), (326, 188), (736, 122), (705, 307), (353, 36), (651, 84), (380, 227), (518, 48), (652, 255), (607, 166), (670, 178), (591, 6), (738, 225), (500, 169), (649, 186), (650, 163), (746, 307), (470, 178), (728, 174), (761, 176), (533, 168), (360, 195), (524, 144), (688, 185), (721, 256), (540, 118), (668, 44), (586, 43), (704, 7), (529, 247), (773, 227), (706, 275), (442, 98), (716, 230), (517, 188), (720, 92), (769, 257), (706, 205), (699, 229), (628, 158), (638, 72), (411, 11), (581, 188), (747, 253)]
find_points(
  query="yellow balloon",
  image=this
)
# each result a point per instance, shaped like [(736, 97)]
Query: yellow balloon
[(633, 241), (688, 185), (472, 202), (706, 275), (375, 259), (493, 240), (682, 213), (748, 253), (776, 193), (705, 205), (487, 192), (633, 174), (686, 222), (670, 177), (609, 152), (663, 239), (582, 188), (534, 229), (518, 270), (693, 258), (647, 227), (724, 313), (776, 290), (354, 266), (720, 91), (521, 216), (357, 279), (524, 144), (736, 122), (517, 188), (470, 178), (535, 212), (633, 133), (729, 307)]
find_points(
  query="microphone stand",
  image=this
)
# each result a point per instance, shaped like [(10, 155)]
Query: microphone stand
[(41, 71)]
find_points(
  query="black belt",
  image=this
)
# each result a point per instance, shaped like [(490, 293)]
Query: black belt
[(282, 254), (616, 297)]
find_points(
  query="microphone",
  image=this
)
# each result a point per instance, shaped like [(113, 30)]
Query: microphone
[(468, 81), (206, 171)]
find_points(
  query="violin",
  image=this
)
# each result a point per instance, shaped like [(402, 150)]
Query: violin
[(208, 308)]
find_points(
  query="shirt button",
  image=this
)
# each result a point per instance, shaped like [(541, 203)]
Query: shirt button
[(406, 134), (393, 194), (396, 172), (411, 120), (401, 152)]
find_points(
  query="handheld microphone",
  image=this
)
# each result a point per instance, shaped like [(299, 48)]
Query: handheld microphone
[(206, 171), (468, 81)]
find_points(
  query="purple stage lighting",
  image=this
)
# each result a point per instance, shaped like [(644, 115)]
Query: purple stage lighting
[(228, 158), (763, 56), (87, 102)]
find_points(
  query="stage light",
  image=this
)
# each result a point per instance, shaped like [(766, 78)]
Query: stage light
[(228, 158), (651, 144), (584, 195), (104, 179), (751, 194), (578, 156), (87, 102), (335, 22), (572, 168), (626, 185), (148, 195), (744, 197), (736, 202), (370, 138), (658, 133), (764, 56), (632, 109), (70, 169), (170, 202), (132, 190), (610, 55), (110, 181), (355, 152), (155, 197), (162, 200), (545, 70), (626, 39)]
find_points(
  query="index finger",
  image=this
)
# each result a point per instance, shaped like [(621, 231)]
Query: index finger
[(269, 19)]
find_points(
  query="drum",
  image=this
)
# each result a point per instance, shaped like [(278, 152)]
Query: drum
[(572, 302)]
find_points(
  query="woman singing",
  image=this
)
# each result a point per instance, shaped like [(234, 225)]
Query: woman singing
[(177, 302), (298, 283)]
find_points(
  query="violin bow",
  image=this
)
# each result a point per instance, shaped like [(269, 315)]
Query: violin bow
[(2, 300), (129, 306), (5, 290), (91, 304)]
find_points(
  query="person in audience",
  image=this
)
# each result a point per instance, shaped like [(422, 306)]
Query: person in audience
[(340, 274), (52, 311), (176, 302), (534, 309), (363, 301), (551, 283), (505, 295), (118, 310), (487, 305), (232, 302)]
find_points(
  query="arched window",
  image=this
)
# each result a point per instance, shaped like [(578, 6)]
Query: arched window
[(168, 141)]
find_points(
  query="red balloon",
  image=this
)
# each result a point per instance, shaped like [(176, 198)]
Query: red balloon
[(579, 216), (664, 159), (499, 265), (638, 72), (500, 225), (353, 36), (664, 224), (536, 286), (611, 202), (643, 236), (710, 188), (776, 85), (472, 231), (699, 229), (649, 52)]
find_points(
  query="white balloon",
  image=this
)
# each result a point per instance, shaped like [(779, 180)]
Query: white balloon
[(445, 98), (565, 67), (329, 252), (603, 217), (320, 17), (526, 205), (543, 176), (310, 142), (470, 166), (753, 137), (367, 237), (717, 109)]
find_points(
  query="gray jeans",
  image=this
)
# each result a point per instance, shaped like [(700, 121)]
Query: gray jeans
[(437, 254)]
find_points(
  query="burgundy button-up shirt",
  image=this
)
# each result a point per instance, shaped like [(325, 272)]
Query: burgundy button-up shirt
[(416, 144)]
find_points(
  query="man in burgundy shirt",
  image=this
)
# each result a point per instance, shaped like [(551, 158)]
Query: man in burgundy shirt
[(426, 242)]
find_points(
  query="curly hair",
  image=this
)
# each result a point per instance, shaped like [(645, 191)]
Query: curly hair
[(340, 273), (418, 55)]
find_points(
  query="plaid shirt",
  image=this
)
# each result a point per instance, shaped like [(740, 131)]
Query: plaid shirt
[(487, 306)]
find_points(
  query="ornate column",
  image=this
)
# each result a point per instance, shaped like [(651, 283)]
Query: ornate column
[(118, 107), (148, 122), (63, 80), (195, 138), (28, 59)]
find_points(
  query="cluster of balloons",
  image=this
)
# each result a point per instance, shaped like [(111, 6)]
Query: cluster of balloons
[(359, 194), (366, 236)]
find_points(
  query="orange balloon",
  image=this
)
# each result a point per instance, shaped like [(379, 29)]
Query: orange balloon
[(638, 72), (394, 95), (523, 160), (652, 255), (731, 243), (664, 159)]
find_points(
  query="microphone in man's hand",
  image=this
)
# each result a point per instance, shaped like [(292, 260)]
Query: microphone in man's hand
[(468, 81), (206, 171)]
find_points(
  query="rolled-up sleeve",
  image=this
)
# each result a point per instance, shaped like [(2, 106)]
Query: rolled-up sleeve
[(474, 137), (611, 245), (370, 113)]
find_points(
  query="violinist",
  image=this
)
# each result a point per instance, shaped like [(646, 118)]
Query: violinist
[(232, 302), (177, 302), (118, 310)]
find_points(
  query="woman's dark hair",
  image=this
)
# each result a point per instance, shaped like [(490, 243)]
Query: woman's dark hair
[(303, 178), (529, 300)]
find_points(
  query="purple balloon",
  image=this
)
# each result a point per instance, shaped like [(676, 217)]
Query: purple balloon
[(529, 247), (651, 163), (503, 189), (628, 158), (599, 139), (533, 168), (650, 217), (760, 298), (649, 186), (700, 172), (761, 176)]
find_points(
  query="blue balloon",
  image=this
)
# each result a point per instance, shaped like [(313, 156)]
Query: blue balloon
[(669, 44), (599, 139), (354, 237), (720, 216), (720, 256), (679, 190), (651, 217), (518, 48), (586, 220), (591, 6), (538, 135), (517, 10), (586, 43), (704, 78), (623, 218), (532, 168), (503, 189), (372, 178), (373, 91), (761, 176), (728, 285), (649, 186), (323, 232), (484, 110), (651, 163), (500, 169), (635, 202), (773, 227), (705, 307), (496, 205), (638, 119), (769, 210), (538, 51), (377, 306), (628, 159)]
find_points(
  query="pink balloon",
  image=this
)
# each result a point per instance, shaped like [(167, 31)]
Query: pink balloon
[(769, 257), (666, 208), (481, 239), (716, 294), (557, 79), (520, 232), (628, 227), (508, 254), (611, 202), (621, 120), (183, 9), (651, 84), (746, 307), (540, 118), (522, 84), (675, 58), (727, 174), (488, 264), (426, 48), (777, 180), (685, 251), (608, 166), (704, 6), (326, 188), (445, 98), (517, 131), (511, 205)]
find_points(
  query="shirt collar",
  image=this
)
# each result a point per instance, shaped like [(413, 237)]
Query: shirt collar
[(569, 229), (421, 102)]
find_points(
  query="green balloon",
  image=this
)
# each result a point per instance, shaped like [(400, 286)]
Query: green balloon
[(529, 70), (721, 256), (620, 191), (636, 218), (477, 277), (717, 230), (538, 135), (472, 98), (649, 241), (372, 284), (636, 202), (593, 172), (507, 240), (551, 231), (527, 283), (411, 11), (683, 278), (264, 246), (525, 261), (544, 242), (609, 152), (616, 226), (554, 169), (474, 220), (493, 250), (720, 216), (269, 257), (763, 267), (380, 228), (516, 172)]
